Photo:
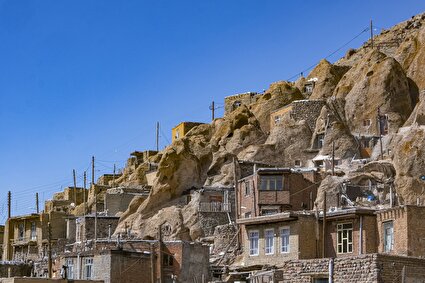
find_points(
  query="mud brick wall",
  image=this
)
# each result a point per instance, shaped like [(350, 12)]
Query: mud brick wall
[(243, 98), (15, 270), (308, 110)]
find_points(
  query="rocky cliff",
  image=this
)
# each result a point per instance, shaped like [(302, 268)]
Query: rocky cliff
[(384, 79)]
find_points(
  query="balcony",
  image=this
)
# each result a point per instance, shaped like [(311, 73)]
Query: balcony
[(24, 241), (214, 207)]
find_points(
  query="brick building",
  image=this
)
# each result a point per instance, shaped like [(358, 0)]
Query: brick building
[(274, 190), (82, 229), (25, 237), (276, 238), (401, 231), (349, 232), (140, 261)]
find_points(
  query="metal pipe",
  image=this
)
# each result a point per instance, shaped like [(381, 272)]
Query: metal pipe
[(361, 236), (331, 270)]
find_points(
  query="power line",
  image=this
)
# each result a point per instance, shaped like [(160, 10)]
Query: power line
[(331, 54)]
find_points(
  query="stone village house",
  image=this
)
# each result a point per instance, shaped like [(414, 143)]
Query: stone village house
[(277, 230)]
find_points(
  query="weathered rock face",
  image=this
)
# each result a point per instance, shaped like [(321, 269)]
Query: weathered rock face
[(203, 157), (353, 88), (418, 115), (286, 143), (409, 162), (278, 95), (327, 76), (375, 82)]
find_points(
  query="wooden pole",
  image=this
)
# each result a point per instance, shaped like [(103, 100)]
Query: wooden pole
[(380, 133), (75, 187), (371, 33), (9, 204), (49, 247), (37, 208), (160, 254), (153, 279), (113, 181), (157, 136), (84, 194), (403, 274), (95, 217), (212, 108), (92, 170), (333, 158), (324, 227)]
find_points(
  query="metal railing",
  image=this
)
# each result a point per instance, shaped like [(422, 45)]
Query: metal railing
[(214, 207), (24, 240)]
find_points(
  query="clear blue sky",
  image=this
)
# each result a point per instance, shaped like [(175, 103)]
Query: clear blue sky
[(81, 78)]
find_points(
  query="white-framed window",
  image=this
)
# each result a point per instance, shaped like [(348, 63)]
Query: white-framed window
[(269, 241), (33, 231), (277, 119), (388, 236), (88, 268), (70, 268), (253, 237), (284, 239), (297, 163), (345, 238)]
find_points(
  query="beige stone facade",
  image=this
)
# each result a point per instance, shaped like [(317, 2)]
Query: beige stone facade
[(26, 236), (182, 129)]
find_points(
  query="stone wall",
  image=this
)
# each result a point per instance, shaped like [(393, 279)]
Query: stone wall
[(232, 102), (102, 226), (45, 280), (308, 110), (369, 268)]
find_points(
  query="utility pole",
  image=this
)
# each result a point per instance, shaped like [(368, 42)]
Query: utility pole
[(157, 136), (212, 108), (49, 247), (371, 33), (333, 158), (95, 217), (113, 181), (92, 170), (160, 254), (152, 263), (36, 203), (380, 133), (75, 187), (9, 204), (84, 194), (324, 227)]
